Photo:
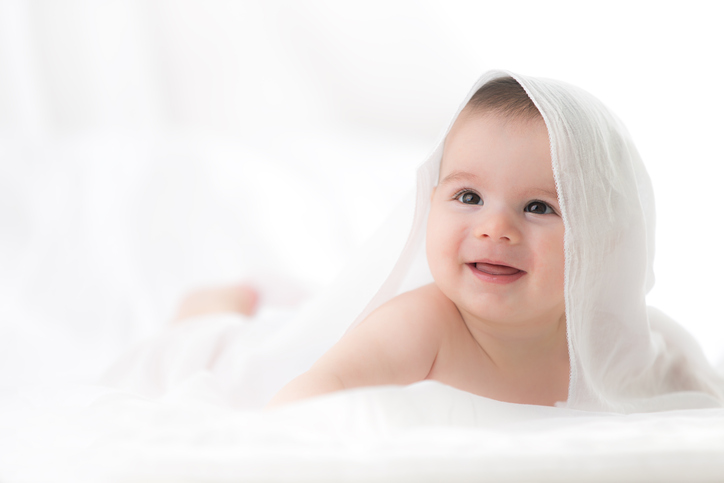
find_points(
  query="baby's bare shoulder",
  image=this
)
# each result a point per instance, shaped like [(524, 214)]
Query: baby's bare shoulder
[(396, 344), (424, 307), (419, 319)]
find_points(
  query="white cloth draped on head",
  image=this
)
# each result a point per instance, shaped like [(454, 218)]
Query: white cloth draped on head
[(624, 356)]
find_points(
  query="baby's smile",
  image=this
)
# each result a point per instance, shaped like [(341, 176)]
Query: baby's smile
[(495, 272)]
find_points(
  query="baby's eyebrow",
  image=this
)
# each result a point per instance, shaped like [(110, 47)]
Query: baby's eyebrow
[(465, 176), (459, 175), (541, 191)]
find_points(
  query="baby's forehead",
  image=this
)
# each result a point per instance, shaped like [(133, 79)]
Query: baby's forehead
[(523, 126), (512, 120), (490, 141)]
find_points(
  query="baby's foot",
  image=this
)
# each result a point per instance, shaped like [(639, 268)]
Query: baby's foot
[(240, 299)]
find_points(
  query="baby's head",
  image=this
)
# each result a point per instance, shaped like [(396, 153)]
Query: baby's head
[(494, 233)]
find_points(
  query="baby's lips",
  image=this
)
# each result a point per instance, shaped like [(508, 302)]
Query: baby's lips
[(496, 269)]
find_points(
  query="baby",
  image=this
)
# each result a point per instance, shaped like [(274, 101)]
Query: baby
[(493, 322), (508, 316)]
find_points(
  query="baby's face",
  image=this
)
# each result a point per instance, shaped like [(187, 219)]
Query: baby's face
[(494, 234)]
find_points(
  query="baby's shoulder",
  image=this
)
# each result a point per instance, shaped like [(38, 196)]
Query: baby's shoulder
[(424, 308), (397, 343)]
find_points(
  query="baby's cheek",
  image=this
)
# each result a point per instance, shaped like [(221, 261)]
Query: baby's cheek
[(433, 251), (438, 246), (555, 267)]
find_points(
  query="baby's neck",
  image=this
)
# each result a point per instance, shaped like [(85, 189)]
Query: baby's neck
[(518, 348)]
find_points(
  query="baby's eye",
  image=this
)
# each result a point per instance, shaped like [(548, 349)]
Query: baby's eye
[(469, 198), (539, 208)]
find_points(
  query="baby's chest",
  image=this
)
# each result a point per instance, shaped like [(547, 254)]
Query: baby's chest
[(462, 364)]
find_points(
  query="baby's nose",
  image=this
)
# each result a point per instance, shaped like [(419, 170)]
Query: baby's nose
[(498, 225)]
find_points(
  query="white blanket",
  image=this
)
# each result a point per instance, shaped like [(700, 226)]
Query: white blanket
[(179, 417), (424, 432)]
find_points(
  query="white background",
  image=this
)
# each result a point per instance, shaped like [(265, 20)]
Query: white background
[(148, 147)]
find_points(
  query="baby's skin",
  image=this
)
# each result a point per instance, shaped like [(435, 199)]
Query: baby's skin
[(240, 298), (493, 322)]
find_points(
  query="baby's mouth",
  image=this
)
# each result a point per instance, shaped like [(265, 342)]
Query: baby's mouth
[(493, 269)]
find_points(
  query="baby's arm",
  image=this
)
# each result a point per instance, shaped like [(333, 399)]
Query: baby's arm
[(395, 344)]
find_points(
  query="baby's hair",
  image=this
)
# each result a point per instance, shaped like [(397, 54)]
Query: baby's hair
[(504, 96)]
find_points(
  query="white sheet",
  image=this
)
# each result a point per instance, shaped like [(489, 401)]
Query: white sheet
[(180, 417), (424, 432)]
